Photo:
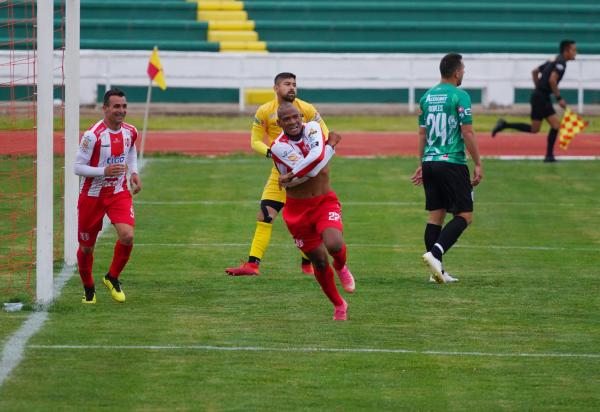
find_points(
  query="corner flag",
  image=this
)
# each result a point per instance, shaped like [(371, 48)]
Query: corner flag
[(571, 124), (155, 70)]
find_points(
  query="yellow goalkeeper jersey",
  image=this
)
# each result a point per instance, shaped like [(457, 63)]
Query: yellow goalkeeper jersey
[(265, 123)]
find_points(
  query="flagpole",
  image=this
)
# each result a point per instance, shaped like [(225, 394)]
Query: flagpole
[(144, 127)]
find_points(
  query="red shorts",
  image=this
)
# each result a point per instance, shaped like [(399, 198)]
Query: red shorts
[(119, 209), (306, 219)]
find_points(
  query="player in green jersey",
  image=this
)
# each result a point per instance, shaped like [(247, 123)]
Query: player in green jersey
[(445, 128)]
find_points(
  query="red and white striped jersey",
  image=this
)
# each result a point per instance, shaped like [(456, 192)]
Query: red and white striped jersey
[(306, 156), (100, 147)]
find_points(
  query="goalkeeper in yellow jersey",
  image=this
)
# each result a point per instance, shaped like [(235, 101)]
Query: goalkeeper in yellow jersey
[(273, 197)]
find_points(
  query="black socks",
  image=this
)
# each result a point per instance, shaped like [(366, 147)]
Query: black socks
[(552, 134), (432, 233), (448, 236)]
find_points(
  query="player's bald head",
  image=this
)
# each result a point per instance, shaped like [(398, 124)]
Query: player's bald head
[(286, 109)]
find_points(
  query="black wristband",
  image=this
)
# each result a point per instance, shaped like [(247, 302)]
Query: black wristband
[(268, 153), (559, 97)]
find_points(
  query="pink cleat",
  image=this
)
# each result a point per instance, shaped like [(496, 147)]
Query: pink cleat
[(307, 268), (245, 269), (341, 311), (346, 279)]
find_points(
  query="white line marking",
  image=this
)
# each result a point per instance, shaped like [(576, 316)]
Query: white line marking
[(14, 347), (317, 349), (12, 354), (532, 157), (227, 157), (350, 203), (373, 246)]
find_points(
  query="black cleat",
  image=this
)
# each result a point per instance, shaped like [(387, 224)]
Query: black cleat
[(550, 159), (500, 125), (89, 295)]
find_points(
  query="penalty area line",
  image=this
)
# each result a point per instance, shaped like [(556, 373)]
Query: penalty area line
[(320, 349)]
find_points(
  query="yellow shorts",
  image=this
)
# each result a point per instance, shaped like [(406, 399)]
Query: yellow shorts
[(272, 190)]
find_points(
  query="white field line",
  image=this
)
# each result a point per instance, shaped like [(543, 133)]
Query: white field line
[(12, 354), (372, 246), (318, 349), (14, 347), (212, 159), (353, 203), (535, 157)]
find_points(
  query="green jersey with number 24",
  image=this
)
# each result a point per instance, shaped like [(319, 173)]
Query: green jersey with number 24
[(443, 110)]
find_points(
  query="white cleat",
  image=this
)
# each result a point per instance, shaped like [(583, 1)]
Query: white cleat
[(448, 278), (437, 270)]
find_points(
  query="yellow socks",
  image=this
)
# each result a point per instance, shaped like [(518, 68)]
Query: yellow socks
[(262, 237)]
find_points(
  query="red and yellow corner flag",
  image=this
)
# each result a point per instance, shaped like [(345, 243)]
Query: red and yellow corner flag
[(571, 124), (155, 70)]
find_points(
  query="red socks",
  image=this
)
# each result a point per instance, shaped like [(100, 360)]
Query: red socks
[(85, 262), (120, 258), (325, 279), (339, 258)]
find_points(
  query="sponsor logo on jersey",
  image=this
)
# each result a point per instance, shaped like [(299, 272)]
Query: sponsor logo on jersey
[(312, 132), (113, 160), (560, 66), (464, 111), (436, 98), (85, 144), (293, 157), (317, 117)]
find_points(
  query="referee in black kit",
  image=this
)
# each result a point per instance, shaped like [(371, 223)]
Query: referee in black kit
[(546, 78)]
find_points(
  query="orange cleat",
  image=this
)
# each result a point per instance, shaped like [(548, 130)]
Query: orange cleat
[(245, 269), (307, 268)]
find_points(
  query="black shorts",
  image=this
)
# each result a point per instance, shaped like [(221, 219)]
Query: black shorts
[(541, 106), (447, 186)]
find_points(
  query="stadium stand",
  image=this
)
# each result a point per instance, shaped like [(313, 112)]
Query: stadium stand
[(356, 26), (317, 26)]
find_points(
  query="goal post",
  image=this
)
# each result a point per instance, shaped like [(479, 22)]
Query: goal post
[(71, 183), (45, 152)]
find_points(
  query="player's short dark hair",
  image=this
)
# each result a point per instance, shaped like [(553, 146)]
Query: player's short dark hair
[(283, 76), (565, 44), (112, 92), (449, 64)]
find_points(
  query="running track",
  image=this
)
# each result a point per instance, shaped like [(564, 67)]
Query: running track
[(353, 144)]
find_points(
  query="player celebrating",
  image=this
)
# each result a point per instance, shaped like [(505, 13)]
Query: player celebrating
[(312, 211), (445, 128), (106, 153), (273, 196), (545, 78)]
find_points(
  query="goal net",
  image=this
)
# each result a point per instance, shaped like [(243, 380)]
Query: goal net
[(19, 194)]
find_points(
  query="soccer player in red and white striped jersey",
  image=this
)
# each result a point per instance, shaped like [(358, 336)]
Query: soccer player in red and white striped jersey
[(312, 211), (106, 154)]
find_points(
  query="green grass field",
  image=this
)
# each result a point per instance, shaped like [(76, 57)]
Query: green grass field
[(402, 123), (520, 331)]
